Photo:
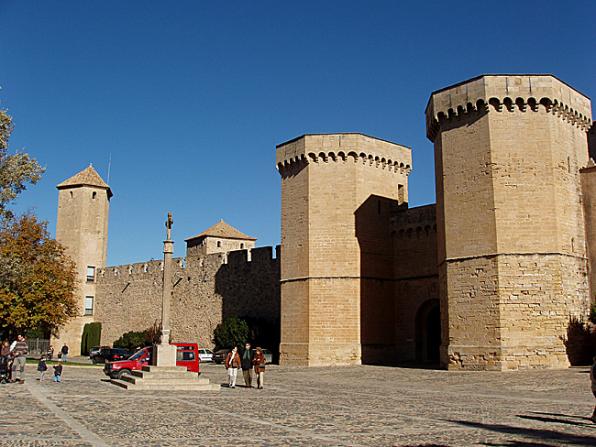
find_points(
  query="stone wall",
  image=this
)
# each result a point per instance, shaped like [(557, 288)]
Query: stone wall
[(512, 249), (337, 192), (205, 290), (416, 283)]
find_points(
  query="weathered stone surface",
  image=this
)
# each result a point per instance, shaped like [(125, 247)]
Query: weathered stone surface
[(307, 407), (206, 289), (512, 250)]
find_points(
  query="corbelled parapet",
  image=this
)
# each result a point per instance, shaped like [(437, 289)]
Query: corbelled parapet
[(510, 230), (343, 147), (508, 92)]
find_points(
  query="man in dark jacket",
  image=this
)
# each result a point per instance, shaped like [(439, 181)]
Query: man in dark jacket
[(246, 363), (64, 352)]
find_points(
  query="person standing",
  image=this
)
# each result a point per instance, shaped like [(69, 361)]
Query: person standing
[(247, 357), (232, 365), (259, 361), (42, 367), (19, 354), (64, 352), (58, 372)]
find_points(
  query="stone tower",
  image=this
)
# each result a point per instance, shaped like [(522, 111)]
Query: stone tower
[(511, 242), (82, 228), (337, 193)]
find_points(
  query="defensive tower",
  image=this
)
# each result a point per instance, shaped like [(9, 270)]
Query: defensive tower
[(82, 228), (511, 242), (337, 194)]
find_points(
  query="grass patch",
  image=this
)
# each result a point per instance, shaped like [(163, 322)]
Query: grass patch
[(53, 362)]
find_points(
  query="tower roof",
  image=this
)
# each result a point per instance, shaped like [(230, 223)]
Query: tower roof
[(87, 177), (223, 230)]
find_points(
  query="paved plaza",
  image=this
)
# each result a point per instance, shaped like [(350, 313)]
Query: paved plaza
[(351, 406)]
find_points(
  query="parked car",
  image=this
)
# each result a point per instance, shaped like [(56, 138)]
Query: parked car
[(94, 351), (107, 354), (187, 354), (205, 355), (219, 356)]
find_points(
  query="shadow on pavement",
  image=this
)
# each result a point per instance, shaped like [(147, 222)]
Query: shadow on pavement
[(543, 435)]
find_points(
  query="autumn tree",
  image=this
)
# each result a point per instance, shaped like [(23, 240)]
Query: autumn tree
[(16, 170), (37, 279)]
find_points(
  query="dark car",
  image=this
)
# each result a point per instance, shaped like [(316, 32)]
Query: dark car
[(94, 351), (111, 355), (219, 356)]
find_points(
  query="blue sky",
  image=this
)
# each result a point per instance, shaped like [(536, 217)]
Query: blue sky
[(191, 97)]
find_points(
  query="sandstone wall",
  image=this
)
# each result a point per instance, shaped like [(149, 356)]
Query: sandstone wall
[(337, 192), (205, 290), (82, 228), (416, 281), (511, 238)]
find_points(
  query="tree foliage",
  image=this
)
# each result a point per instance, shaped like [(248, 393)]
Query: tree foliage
[(231, 332), (37, 279), (16, 170), (91, 337), (135, 339)]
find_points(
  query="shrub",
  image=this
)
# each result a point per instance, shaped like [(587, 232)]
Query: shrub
[(593, 313), (580, 342), (135, 339), (91, 337), (231, 332)]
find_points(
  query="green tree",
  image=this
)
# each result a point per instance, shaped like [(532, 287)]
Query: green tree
[(37, 279), (91, 337), (16, 170), (135, 339), (231, 332)]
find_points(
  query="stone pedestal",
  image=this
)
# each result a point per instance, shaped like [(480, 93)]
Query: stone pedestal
[(165, 354)]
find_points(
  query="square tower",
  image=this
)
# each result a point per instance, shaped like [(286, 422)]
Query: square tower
[(337, 195), (82, 228), (511, 240)]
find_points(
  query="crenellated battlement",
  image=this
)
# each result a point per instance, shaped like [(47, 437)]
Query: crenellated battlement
[(343, 148), (237, 258), (417, 221), (508, 93)]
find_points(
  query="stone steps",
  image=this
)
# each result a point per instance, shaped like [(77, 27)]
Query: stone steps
[(172, 378), (172, 386)]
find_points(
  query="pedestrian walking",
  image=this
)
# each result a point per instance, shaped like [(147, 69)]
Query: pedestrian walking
[(5, 362), (232, 365), (58, 372), (19, 354), (42, 367), (259, 362), (64, 352), (247, 357)]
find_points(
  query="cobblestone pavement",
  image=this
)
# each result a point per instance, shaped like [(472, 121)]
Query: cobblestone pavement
[(356, 406)]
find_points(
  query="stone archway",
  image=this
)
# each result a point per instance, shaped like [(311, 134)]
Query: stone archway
[(428, 333)]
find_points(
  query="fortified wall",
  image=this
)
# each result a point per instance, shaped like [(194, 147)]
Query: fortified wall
[(417, 328), (206, 289)]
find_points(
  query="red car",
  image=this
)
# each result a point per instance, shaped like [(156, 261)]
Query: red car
[(187, 355)]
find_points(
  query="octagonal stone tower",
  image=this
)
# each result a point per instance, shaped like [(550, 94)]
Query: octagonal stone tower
[(512, 251), (337, 192)]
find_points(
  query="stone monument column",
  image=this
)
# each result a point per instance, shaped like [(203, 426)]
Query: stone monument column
[(165, 353)]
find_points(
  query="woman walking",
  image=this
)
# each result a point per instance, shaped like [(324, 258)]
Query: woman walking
[(232, 365), (259, 361)]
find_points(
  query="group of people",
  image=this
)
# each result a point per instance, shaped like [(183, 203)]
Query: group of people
[(13, 357), (12, 360), (247, 361)]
